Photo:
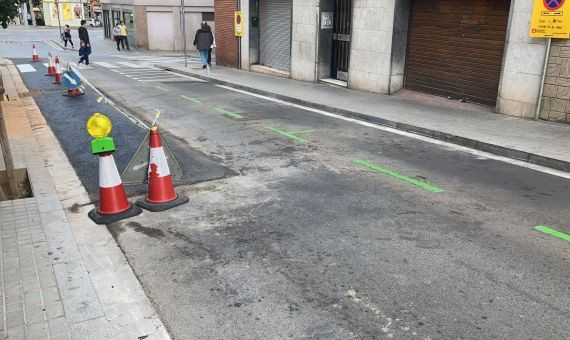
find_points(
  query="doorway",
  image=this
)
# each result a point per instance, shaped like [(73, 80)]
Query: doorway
[(341, 39)]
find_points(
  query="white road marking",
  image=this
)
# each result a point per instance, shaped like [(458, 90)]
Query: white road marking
[(104, 64), (46, 64), (124, 63), (132, 118), (26, 68), (481, 154)]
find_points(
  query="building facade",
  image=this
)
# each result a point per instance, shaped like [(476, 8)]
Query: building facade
[(69, 12), (156, 25), (474, 50)]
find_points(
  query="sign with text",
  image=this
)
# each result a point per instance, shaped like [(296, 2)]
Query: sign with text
[(238, 24), (550, 19)]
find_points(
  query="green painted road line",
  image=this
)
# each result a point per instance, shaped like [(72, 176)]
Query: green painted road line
[(553, 232), (303, 131), (229, 113), (161, 88), (286, 134), (195, 100), (404, 178)]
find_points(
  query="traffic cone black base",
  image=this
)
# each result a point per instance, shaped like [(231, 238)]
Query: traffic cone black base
[(155, 207), (98, 218)]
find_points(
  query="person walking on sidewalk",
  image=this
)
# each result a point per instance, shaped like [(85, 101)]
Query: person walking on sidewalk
[(84, 37), (67, 36), (83, 54), (124, 35), (117, 36), (203, 41)]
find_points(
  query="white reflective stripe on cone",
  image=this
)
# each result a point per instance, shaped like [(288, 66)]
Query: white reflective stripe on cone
[(108, 173), (157, 157)]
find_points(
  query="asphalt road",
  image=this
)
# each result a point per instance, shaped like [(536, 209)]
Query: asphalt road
[(334, 230)]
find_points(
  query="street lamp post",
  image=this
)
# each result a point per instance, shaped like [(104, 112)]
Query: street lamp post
[(183, 18), (56, 2)]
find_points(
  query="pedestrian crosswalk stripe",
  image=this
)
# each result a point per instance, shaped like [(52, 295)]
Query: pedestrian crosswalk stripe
[(46, 65), (124, 63), (104, 64), (26, 68)]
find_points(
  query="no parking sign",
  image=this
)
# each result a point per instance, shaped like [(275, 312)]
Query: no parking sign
[(550, 19)]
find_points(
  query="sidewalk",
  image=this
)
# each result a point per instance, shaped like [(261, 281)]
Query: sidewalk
[(539, 142), (62, 276)]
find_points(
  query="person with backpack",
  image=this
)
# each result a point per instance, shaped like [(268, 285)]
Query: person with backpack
[(117, 36), (203, 41)]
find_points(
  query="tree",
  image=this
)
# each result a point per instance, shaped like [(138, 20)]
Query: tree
[(8, 10)]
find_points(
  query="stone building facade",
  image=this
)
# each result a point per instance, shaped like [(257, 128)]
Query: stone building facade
[(556, 95), (387, 46)]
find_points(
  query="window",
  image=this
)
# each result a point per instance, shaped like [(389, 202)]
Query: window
[(207, 16)]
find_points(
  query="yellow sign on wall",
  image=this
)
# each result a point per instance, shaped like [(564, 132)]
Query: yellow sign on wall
[(67, 12), (550, 19), (238, 24)]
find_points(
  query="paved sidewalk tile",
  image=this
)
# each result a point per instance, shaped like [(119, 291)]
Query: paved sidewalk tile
[(32, 307)]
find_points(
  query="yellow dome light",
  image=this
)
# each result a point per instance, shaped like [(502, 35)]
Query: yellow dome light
[(98, 126)]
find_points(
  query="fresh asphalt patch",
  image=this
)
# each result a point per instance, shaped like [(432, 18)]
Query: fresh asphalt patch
[(67, 117)]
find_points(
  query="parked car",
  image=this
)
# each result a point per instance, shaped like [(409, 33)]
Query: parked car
[(93, 22)]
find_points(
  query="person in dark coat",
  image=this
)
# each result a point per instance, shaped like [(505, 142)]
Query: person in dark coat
[(203, 42), (84, 36)]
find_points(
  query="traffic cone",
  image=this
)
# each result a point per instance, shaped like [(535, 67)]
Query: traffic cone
[(161, 194), (35, 56), (113, 203), (57, 72), (51, 66)]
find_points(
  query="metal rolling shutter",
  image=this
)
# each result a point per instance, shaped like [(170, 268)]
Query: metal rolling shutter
[(275, 33), (455, 48)]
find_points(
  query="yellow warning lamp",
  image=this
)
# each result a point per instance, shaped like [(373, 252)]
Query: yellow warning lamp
[(99, 126)]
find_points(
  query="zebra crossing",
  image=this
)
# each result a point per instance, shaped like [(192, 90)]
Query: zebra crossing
[(133, 70), (153, 74)]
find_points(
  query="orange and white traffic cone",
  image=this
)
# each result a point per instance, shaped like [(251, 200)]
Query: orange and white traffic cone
[(57, 72), (51, 66), (35, 56), (161, 194), (113, 203)]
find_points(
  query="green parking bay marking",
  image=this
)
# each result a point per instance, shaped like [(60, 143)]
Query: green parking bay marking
[(195, 100), (229, 113), (404, 178), (161, 88), (292, 135), (553, 232)]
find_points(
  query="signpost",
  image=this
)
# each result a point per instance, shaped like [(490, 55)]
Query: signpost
[(550, 19)]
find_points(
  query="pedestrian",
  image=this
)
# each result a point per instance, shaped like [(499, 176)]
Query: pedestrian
[(83, 53), (124, 35), (210, 51), (117, 36), (67, 36), (203, 41), (84, 36)]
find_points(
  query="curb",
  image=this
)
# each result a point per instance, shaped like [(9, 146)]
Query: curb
[(447, 137)]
